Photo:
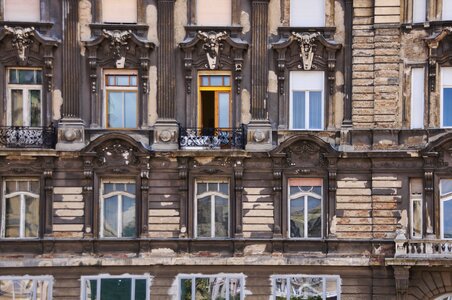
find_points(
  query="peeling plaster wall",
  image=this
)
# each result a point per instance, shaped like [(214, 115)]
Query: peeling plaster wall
[(85, 18), (57, 102), (274, 16), (245, 22), (180, 20), (152, 98), (246, 106), (151, 21), (272, 82)]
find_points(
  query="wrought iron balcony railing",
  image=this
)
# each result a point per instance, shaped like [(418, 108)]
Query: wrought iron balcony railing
[(212, 138), (423, 248), (27, 137)]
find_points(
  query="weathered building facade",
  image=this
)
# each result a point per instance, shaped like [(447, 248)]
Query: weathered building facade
[(226, 149)]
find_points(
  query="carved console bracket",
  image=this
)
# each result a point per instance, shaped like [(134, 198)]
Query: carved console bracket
[(29, 43), (306, 51), (213, 51), (437, 55)]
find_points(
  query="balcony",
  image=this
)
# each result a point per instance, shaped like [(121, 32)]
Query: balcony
[(28, 137), (212, 138), (423, 248)]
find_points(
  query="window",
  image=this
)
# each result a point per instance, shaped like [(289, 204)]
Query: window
[(214, 106), (305, 207), (119, 11), (446, 208), (416, 188), (417, 98), (24, 105), (124, 287), (218, 286), (306, 287), (446, 97), (212, 209), (22, 10), (121, 91), (213, 13), (26, 287), (118, 209), (447, 10), (306, 100), (305, 13), (20, 213), (419, 11)]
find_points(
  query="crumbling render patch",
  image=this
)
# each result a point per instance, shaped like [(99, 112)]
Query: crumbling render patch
[(246, 107), (57, 101), (274, 19), (180, 20), (151, 20), (245, 22), (85, 18), (272, 82), (152, 98)]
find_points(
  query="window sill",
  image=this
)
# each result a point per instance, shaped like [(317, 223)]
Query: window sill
[(286, 31), (233, 29), (119, 26), (43, 26)]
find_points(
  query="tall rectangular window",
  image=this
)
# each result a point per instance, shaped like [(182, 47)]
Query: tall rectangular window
[(121, 89), (416, 187), (20, 213), (306, 13), (417, 97), (212, 209), (213, 13), (123, 287), (288, 287), (419, 11), (22, 10), (24, 105), (217, 286), (306, 100), (445, 190), (26, 287), (119, 11), (305, 207), (118, 209), (446, 97), (447, 10)]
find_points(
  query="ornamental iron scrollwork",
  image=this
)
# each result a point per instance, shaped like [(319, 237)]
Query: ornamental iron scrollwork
[(212, 46), (28, 137), (212, 138)]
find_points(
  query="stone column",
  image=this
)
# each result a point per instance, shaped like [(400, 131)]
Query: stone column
[(259, 137), (71, 127), (402, 281), (347, 121), (166, 130)]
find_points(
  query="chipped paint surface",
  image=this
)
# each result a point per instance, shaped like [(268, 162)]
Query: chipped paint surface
[(246, 107), (85, 18), (152, 97), (274, 16), (245, 22), (151, 20), (272, 82), (57, 102), (180, 20)]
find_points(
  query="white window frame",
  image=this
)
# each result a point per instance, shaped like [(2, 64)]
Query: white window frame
[(22, 207), (417, 98), (120, 194), (310, 83), (307, 19), (13, 19), (226, 276), (35, 279), (305, 195), (324, 278), (25, 88), (443, 198), (416, 197), (419, 11), (212, 207), (117, 19), (99, 277), (446, 82)]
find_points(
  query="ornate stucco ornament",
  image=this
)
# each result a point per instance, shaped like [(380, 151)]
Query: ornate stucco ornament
[(22, 39), (307, 43), (119, 44), (212, 41)]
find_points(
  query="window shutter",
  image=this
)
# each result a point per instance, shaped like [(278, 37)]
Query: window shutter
[(213, 13), (417, 98), (22, 10), (307, 13), (119, 11)]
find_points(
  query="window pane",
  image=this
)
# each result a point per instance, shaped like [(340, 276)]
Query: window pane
[(234, 289), (204, 80), (331, 288), (314, 217), (11, 187), (202, 288), (224, 188), (419, 11), (12, 217), (111, 217), (227, 80), (122, 80), (130, 187), (305, 13), (119, 11), (35, 107), (223, 110), (213, 13), (306, 287), (115, 119), (315, 110), (221, 217), (22, 10), (446, 186), (185, 286), (280, 289), (108, 188), (31, 216), (27, 77), (202, 187), (34, 187), (140, 289), (216, 80), (204, 217), (297, 217), (130, 106), (118, 289), (447, 220), (91, 290), (21, 289), (128, 217), (133, 80), (13, 76), (217, 288), (299, 110), (111, 80), (447, 107), (42, 290), (17, 107), (213, 186), (447, 10)]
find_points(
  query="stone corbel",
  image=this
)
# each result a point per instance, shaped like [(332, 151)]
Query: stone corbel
[(433, 43), (402, 281)]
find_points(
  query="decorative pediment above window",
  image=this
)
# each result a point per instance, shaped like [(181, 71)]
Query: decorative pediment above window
[(440, 52), (213, 51), (119, 49), (306, 51), (27, 47)]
